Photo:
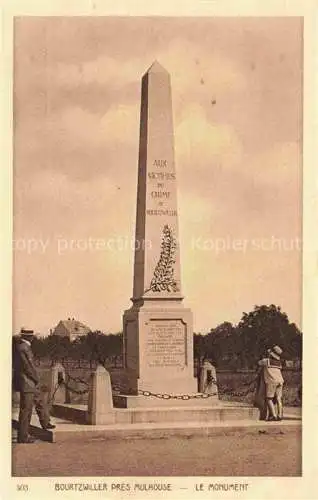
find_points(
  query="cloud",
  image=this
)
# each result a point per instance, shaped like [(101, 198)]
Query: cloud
[(58, 204), (201, 143), (80, 144), (193, 67), (280, 165), (188, 62), (102, 70), (118, 125)]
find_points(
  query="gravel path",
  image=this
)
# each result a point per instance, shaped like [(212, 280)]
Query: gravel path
[(246, 453)]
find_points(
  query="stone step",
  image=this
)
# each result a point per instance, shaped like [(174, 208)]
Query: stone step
[(74, 413), (220, 413), (187, 414), (68, 431)]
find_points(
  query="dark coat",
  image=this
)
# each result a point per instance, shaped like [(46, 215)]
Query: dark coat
[(260, 392), (25, 377)]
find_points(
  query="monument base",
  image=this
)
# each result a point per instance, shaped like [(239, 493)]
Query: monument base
[(158, 351)]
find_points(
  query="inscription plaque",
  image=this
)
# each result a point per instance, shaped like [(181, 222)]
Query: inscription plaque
[(166, 344)]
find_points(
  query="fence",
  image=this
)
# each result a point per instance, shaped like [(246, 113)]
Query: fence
[(78, 389), (72, 364), (232, 386)]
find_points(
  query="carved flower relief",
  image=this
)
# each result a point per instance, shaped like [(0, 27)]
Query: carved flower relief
[(163, 278)]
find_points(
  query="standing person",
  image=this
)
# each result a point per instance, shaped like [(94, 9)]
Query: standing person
[(272, 372), (260, 393), (26, 381)]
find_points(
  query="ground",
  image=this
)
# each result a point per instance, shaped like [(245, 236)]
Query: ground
[(277, 452)]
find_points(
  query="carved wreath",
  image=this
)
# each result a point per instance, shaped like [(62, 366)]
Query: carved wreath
[(163, 277)]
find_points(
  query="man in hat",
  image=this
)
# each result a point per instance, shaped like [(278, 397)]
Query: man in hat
[(272, 373), (27, 383)]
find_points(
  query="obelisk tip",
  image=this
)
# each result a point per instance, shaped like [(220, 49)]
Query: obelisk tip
[(156, 68)]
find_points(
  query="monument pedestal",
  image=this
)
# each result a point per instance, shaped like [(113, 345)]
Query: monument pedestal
[(159, 350)]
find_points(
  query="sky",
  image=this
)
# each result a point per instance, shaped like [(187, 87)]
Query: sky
[(237, 105)]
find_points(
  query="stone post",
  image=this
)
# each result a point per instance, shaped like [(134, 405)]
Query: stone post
[(58, 390), (100, 399), (207, 378)]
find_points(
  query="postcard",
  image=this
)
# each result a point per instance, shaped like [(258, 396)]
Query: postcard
[(159, 250)]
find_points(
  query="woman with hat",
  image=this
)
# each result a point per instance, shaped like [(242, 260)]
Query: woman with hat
[(272, 373)]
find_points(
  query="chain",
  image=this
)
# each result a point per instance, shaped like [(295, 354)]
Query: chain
[(117, 388), (68, 388), (184, 397), (71, 389), (54, 392), (251, 387), (179, 396), (221, 390), (253, 381), (236, 393), (75, 391), (77, 379)]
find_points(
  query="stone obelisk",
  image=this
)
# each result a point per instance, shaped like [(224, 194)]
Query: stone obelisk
[(158, 335)]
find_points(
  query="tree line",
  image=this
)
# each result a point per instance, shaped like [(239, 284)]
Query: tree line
[(242, 345), (228, 346)]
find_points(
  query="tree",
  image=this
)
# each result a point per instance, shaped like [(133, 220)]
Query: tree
[(264, 327), (198, 345), (97, 346), (58, 348), (222, 344), (40, 347)]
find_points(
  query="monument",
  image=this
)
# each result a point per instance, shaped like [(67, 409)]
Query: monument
[(157, 329), (160, 387)]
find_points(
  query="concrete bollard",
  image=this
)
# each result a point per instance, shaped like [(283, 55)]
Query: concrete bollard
[(57, 389), (100, 398), (207, 383)]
